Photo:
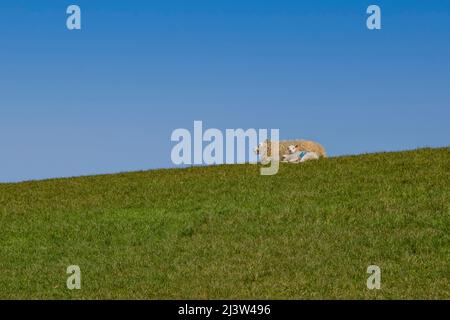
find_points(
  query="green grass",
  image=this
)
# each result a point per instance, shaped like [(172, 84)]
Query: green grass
[(310, 231)]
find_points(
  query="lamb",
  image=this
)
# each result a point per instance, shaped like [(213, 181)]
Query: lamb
[(296, 156), (264, 148)]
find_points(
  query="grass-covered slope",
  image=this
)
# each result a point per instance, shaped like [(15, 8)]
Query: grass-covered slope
[(310, 231)]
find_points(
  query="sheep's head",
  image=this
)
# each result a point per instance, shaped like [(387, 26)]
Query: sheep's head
[(292, 148), (257, 149), (260, 149)]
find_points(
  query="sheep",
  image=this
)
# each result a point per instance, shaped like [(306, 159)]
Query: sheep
[(296, 156), (264, 148)]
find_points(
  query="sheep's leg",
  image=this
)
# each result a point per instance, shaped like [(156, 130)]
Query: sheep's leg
[(309, 156)]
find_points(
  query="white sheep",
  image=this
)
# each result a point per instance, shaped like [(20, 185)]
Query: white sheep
[(296, 156), (264, 149)]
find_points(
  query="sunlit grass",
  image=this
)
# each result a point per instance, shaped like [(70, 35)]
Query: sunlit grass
[(226, 232)]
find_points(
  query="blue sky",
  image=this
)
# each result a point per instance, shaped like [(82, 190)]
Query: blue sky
[(107, 98)]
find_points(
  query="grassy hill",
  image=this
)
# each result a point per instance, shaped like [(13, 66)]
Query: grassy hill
[(310, 231)]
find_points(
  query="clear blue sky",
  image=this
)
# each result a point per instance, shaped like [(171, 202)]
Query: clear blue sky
[(107, 98)]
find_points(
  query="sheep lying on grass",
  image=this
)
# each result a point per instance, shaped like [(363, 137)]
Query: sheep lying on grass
[(296, 156), (264, 149)]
